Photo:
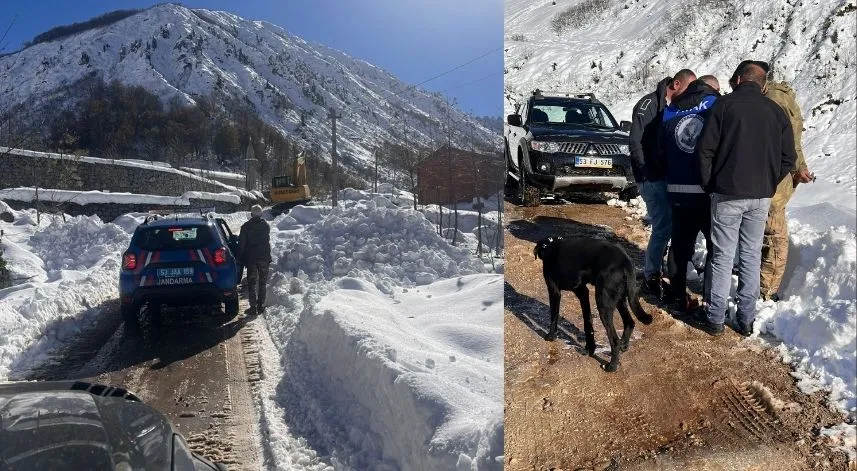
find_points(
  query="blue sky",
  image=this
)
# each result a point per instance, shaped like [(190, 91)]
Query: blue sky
[(413, 39)]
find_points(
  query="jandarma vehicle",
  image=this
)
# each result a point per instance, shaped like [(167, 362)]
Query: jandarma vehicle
[(58, 425), (562, 142), (178, 260)]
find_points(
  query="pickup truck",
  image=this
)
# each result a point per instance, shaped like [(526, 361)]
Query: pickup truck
[(558, 143)]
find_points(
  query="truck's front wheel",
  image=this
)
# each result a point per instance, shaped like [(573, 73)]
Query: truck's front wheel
[(629, 193), (530, 195), (510, 183)]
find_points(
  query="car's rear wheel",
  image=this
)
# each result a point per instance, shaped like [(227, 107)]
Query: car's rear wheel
[(154, 310), (129, 316), (231, 307)]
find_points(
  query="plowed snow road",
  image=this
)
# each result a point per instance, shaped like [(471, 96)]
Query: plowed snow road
[(680, 399), (198, 370)]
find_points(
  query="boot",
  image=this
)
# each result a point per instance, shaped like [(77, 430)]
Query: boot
[(685, 304), (653, 286)]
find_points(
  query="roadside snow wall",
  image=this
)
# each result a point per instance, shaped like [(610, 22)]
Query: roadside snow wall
[(390, 340), (71, 270)]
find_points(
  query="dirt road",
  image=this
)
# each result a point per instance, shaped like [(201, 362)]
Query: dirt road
[(198, 370), (680, 399)]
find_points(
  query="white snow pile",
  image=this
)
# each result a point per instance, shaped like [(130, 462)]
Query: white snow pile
[(389, 340), (817, 320), (374, 240), (96, 197), (470, 224), (65, 271)]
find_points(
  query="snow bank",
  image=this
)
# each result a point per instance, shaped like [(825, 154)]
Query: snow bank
[(238, 177), (409, 382), (374, 240), (96, 197), (69, 269), (390, 340), (817, 320)]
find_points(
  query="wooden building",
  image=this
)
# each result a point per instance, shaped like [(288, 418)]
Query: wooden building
[(451, 175)]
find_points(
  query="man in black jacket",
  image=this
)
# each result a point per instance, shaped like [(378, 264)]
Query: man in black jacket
[(254, 252), (745, 150), (643, 143)]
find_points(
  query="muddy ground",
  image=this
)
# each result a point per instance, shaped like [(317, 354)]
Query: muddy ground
[(198, 369), (681, 400)]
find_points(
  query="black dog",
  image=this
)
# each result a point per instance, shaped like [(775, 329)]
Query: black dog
[(569, 264)]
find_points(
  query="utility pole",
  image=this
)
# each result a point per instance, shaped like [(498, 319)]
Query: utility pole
[(334, 157), (452, 192), (375, 155)]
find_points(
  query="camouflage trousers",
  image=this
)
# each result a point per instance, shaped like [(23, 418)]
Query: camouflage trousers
[(775, 250), (257, 282)]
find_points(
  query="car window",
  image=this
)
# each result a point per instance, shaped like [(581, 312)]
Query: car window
[(177, 237), (572, 113)]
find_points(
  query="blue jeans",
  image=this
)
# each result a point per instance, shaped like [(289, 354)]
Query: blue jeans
[(735, 222), (660, 214)]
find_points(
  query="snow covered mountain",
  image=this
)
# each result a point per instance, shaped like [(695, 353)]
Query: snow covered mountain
[(619, 49), (180, 53)]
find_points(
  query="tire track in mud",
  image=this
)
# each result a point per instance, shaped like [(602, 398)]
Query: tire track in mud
[(197, 369)]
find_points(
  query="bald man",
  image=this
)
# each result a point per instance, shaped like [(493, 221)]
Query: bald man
[(745, 150)]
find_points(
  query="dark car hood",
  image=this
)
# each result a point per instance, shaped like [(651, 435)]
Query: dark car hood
[(77, 430), (566, 132)]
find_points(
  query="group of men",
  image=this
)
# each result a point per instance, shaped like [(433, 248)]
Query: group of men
[(725, 166)]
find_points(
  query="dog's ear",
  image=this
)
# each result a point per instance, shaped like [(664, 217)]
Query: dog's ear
[(541, 245)]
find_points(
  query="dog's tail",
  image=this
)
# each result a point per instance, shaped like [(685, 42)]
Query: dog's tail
[(633, 297)]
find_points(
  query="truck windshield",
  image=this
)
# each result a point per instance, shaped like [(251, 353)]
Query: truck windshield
[(571, 113)]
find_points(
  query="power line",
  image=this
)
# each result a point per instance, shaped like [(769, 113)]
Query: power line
[(470, 83), (459, 66), (413, 87)]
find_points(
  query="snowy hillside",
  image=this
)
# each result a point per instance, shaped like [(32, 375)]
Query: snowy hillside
[(175, 52), (619, 49)]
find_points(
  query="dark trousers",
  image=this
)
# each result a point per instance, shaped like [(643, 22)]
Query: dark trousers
[(257, 282), (691, 214)]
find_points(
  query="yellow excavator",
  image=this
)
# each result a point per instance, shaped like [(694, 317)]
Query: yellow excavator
[(288, 191)]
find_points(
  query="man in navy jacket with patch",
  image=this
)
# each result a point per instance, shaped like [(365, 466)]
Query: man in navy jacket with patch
[(649, 175), (681, 126)]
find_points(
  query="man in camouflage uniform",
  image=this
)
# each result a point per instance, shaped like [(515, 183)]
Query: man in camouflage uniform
[(775, 245)]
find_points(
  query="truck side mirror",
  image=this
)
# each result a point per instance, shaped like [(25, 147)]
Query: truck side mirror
[(625, 126), (514, 119)]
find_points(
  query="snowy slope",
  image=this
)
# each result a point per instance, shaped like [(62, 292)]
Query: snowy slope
[(619, 49), (176, 52)]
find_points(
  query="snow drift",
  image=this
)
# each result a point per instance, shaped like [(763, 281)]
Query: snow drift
[(390, 340), (67, 271)]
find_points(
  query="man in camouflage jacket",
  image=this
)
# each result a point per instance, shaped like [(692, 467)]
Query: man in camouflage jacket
[(775, 245)]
